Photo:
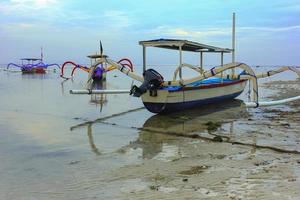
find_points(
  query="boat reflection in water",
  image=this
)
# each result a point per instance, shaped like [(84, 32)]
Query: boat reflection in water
[(28, 76), (99, 99), (96, 99), (163, 130), (91, 140)]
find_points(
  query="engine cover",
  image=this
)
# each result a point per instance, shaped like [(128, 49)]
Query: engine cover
[(152, 81)]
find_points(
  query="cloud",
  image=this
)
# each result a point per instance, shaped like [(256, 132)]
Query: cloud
[(200, 33), (177, 32), (25, 6), (19, 26), (18, 12), (117, 19), (56, 13), (272, 29), (289, 6)]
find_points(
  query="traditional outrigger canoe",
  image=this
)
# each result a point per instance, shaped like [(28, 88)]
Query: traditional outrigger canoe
[(99, 68), (209, 86), (32, 65)]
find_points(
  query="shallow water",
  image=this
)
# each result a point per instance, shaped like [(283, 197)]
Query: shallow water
[(60, 146)]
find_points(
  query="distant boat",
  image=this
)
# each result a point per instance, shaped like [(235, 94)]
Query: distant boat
[(32, 65), (98, 72)]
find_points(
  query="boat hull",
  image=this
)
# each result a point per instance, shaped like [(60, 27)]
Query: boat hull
[(38, 70), (189, 97)]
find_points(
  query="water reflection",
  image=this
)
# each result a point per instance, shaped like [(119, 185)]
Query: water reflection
[(62, 84), (34, 76), (160, 131), (99, 99), (91, 140), (96, 99), (194, 120)]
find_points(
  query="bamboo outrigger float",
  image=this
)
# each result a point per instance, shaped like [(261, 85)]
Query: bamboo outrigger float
[(33, 65), (209, 86)]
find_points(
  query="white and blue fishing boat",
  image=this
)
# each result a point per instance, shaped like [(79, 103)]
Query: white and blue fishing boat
[(207, 87), (160, 99)]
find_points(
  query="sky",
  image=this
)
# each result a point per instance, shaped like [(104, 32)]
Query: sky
[(267, 32)]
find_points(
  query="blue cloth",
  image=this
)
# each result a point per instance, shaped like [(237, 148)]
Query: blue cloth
[(199, 83)]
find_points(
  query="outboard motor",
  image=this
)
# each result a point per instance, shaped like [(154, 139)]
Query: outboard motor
[(152, 81)]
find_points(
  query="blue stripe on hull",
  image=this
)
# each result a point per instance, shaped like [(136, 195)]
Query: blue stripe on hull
[(171, 107)]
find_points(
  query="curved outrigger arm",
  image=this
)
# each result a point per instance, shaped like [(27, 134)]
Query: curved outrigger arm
[(54, 64), (13, 64), (275, 102), (262, 75), (63, 67), (113, 65), (280, 70), (43, 65), (269, 73), (199, 70), (123, 69), (86, 69), (206, 74)]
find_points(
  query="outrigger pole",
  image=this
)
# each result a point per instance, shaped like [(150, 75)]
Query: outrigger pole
[(271, 103), (87, 91)]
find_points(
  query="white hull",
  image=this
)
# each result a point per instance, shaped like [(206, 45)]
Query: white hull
[(168, 100)]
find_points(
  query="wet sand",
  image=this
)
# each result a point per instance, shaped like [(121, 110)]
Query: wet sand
[(63, 147), (258, 156)]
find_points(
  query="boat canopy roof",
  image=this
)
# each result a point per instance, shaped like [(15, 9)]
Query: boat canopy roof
[(186, 45), (94, 56), (31, 59)]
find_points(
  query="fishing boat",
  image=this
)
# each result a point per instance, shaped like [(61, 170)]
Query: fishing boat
[(99, 71), (32, 65), (207, 87), (184, 96)]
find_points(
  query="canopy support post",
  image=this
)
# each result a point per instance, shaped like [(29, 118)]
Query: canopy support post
[(222, 63), (180, 61), (233, 43), (201, 61), (144, 58)]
